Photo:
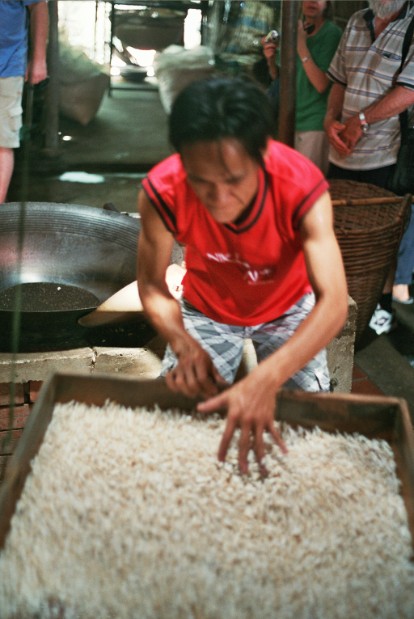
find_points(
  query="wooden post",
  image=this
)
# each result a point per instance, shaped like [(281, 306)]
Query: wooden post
[(52, 97), (289, 21)]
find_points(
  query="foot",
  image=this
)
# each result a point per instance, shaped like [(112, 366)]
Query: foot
[(401, 294), (382, 321)]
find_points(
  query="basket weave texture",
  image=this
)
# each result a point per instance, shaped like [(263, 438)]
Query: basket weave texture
[(369, 222)]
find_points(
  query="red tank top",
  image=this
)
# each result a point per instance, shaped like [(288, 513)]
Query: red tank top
[(249, 273)]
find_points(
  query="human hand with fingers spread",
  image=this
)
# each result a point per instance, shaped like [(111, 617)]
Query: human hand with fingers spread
[(250, 408)]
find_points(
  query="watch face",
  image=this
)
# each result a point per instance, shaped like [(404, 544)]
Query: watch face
[(363, 121)]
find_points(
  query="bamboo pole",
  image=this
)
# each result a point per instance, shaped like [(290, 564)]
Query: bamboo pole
[(289, 21)]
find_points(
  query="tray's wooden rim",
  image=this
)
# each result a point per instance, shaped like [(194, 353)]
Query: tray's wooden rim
[(393, 423)]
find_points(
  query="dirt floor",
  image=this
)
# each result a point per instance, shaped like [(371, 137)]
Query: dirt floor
[(101, 162)]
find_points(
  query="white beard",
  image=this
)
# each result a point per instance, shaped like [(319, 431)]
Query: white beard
[(385, 8)]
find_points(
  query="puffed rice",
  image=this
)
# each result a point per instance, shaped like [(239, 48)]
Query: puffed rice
[(128, 514)]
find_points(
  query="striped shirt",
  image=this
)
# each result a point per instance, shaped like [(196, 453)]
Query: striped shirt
[(368, 69)]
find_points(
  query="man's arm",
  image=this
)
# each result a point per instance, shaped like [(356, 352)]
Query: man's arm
[(250, 403), (332, 122), (195, 374), (39, 29), (327, 276), (393, 103), (269, 52), (154, 251), (326, 273)]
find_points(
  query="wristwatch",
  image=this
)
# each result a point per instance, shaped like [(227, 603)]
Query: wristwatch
[(363, 121)]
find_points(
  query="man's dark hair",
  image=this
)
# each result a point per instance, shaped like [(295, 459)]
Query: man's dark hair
[(222, 107)]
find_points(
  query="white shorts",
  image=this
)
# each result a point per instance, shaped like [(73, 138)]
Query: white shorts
[(11, 93), (315, 146)]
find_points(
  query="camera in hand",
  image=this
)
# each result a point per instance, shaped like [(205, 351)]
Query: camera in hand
[(272, 37)]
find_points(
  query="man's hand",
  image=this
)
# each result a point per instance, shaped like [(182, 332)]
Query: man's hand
[(195, 374), (269, 52), (334, 131), (332, 124), (251, 409), (351, 133), (36, 72), (269, 49)]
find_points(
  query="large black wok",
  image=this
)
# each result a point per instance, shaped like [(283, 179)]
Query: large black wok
[(73, 257)]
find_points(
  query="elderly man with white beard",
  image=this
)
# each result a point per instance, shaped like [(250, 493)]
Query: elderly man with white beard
[(368, 94)]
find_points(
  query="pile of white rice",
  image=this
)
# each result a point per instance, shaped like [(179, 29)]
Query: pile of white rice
[(127, 514)]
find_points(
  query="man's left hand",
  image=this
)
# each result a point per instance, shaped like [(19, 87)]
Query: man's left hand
[(352, 132), (252, 410)]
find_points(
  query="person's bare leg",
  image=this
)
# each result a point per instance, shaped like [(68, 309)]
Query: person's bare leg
[(6, 171), (400, 292)]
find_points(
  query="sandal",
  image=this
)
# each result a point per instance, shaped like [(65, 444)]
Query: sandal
[(408, 301)]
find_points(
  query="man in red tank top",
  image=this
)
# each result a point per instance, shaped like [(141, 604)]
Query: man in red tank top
[(262, 261)]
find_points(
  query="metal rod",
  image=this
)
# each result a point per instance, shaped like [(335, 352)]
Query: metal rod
[(52, 96)]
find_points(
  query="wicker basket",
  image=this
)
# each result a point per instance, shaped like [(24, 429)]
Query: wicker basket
[(369, 222)]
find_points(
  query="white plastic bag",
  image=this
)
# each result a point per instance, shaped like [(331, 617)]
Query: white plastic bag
[(82, 84), (176, 67)]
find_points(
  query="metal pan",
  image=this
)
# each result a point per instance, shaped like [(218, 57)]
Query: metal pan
[(57, 263)]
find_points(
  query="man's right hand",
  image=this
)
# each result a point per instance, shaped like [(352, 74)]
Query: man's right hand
[(269, 52), (269, 49), (195, 374)]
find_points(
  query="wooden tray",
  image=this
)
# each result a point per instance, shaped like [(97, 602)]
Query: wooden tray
[(373, 416)]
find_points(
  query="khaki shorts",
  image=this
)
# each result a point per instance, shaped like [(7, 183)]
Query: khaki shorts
[(11, 92)]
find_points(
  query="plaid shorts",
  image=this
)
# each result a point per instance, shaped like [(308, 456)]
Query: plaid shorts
[(224, 344)]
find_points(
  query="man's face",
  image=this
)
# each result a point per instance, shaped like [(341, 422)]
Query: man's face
[(386, 8), (223, 176)]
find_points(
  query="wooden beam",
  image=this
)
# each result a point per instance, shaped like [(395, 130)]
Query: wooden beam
[(289, 21)]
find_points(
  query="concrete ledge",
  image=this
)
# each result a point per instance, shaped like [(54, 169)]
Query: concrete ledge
[(24, 367), (340, 352), (146, 362), (139, 362)]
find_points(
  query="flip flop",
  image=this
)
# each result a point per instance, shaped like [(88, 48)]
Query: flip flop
[(408, 301)]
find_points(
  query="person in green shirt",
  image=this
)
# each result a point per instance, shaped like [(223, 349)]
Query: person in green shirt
[(317, 40)]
